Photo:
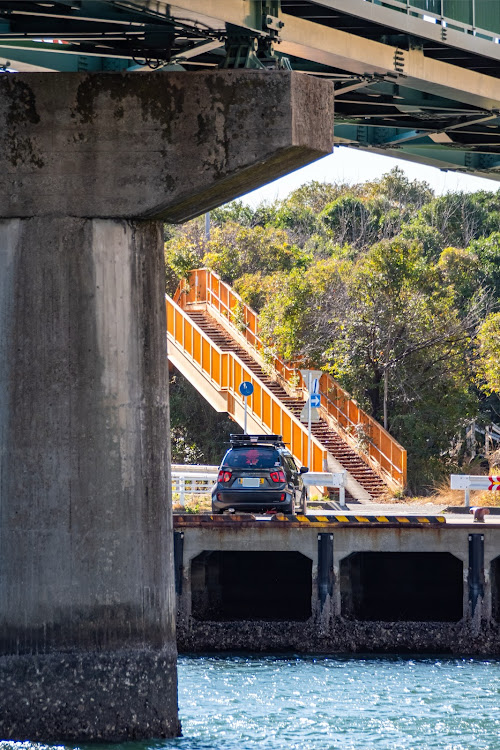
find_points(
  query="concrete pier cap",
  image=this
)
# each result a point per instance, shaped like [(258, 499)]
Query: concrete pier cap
[(90, 166), (154, 145)]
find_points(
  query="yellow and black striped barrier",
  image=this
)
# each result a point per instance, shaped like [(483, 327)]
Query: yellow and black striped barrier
[(341, 519), (233, 519)]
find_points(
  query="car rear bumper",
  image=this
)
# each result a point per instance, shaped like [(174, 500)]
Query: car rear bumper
[(251, 501)]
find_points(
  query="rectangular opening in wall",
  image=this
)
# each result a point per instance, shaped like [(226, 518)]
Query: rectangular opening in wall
[(251, 586), (402, 587), (495, 589)]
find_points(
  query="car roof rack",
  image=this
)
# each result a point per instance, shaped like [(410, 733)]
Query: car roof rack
[(276, 440)]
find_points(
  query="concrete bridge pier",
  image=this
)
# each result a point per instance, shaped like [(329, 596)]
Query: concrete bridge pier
[(90, 166)]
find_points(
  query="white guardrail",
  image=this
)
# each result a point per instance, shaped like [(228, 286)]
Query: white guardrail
[(468, 482), (327, 479), (193, 480)]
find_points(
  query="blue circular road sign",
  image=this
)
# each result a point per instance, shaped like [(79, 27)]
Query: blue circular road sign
[(246, 388)]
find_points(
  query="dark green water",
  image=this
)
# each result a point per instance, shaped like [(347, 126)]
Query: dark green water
[(269, 702)]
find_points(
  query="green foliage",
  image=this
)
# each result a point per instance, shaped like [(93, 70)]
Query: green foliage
[(461, 217), (234, 250), (299, 220), (429, 238), (384, 322), (254, 289), (393, 201), (488, 361), (395, 190), (236, 212), (281, 319), (184, 251), (487, 250), (314, 196), (460, 270), (398, 321), (348, 220), (238, 316), (298, 315)]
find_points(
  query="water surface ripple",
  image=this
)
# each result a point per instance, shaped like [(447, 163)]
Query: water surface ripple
[(242, 702), (317, 703)]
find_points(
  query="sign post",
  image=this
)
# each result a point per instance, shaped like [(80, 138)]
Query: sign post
[(246, 389), (311, 379)]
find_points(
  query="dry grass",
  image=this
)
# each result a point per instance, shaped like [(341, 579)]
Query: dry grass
[(444, 495), (193, 504), (391, 499)]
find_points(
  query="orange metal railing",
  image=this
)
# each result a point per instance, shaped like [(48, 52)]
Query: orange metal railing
[(225, 371), (373, 442)]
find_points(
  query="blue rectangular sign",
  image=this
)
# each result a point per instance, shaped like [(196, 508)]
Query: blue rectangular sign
[(315, 400)]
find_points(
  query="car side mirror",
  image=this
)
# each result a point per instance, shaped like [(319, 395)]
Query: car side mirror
[(303, 470)]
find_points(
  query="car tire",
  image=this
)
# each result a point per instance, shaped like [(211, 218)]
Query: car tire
[(303, 496)]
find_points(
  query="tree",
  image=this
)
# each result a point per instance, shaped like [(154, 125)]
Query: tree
[(401, 331), (488, 360), (299, 221), (459, 217), (393, 201), (397, 191), (460, 270), (235, 211), (382, 284), (184, 251), (387, 329), (234, 250), (487, 250), (348, 220), (255, 288), (315, 195), (429, 238), (296, 317)]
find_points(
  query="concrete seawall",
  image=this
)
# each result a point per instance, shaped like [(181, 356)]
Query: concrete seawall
[(410, 585)]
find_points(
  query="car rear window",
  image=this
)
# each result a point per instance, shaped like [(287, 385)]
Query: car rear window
[(252, 458)]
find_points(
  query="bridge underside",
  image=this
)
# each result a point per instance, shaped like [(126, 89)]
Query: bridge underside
[(409, 81)]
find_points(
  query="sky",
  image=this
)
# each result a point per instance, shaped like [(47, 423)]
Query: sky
[(352, 165)]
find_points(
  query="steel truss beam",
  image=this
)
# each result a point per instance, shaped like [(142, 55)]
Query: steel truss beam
[(389, 99)]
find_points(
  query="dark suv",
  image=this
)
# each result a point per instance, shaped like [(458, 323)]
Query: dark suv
[(258, 473)]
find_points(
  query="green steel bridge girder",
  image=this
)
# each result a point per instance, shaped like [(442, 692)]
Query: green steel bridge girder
[(41, 56), (382, 140), (393, 94)]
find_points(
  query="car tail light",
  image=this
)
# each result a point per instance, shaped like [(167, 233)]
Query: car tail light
[(278, 476), (282, 498), (224, 476)]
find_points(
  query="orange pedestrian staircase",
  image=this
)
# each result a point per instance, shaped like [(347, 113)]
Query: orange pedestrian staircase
[(213, 340)]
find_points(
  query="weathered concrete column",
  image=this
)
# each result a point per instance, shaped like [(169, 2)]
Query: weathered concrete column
[(89, 166), (87, 634)]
